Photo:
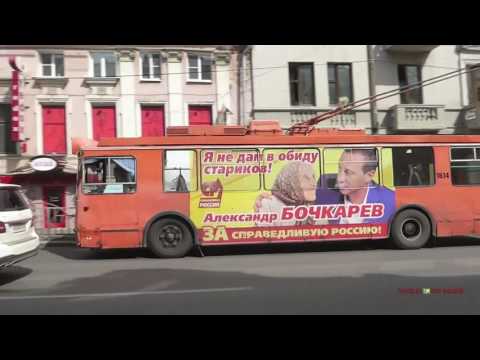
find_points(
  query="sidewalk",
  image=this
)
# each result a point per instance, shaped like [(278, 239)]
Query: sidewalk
[(60, 240)]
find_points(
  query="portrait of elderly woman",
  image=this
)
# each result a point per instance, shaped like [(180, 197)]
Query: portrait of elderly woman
[(295, 185)]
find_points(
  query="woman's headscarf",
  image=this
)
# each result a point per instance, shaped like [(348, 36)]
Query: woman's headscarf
[(287, 186)]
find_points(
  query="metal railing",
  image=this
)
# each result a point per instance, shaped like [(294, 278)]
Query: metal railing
[(345, 120)]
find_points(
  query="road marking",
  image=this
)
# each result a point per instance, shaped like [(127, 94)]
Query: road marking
[(139, 293)]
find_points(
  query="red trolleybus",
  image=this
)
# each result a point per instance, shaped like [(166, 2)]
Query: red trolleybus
[(206, 186)]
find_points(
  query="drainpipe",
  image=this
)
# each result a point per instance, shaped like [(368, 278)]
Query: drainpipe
[(242, 53), (460, 78), (250, 50), (372, 90), (239, 83)]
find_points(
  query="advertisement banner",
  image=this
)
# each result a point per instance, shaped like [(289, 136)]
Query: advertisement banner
[(274, 195)]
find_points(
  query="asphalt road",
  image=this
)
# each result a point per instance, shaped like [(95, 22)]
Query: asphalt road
[(339, 278)]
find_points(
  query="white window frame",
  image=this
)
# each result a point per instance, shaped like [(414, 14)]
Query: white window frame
[(465, 91), (103, 65), (150, 66), (473, 88), (199, 68), (52, 64), (474, 148)]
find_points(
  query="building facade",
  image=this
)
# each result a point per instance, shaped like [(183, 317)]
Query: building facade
[(296, 82), (103, 91), (91, 92)]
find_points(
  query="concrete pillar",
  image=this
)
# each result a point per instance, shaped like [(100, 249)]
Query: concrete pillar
[(175, 89), (127, 122), (222, 68)]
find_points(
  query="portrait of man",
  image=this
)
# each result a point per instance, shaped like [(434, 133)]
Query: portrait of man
[(354, 184)]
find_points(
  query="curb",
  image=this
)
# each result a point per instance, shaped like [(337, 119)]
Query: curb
[(57, 242), (52, 244), (53, 241)]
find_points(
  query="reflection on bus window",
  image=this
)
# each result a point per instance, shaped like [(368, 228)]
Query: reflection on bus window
[(122, 170), (179, 171), (109, 175)]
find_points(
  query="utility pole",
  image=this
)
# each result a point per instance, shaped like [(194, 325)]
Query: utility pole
[(371, 83)]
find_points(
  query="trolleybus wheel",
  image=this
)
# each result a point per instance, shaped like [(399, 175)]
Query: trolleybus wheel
[(169, 238), (411, 229)]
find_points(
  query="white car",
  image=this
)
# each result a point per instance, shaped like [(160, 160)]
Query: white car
[(18, 239)]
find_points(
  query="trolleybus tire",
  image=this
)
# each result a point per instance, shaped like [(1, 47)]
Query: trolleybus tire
[(169, 238), (411, 229)]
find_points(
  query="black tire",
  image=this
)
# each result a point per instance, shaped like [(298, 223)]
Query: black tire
[(411, 229), (169, 238)]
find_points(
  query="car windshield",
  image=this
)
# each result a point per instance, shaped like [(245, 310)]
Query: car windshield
[(12, 199)]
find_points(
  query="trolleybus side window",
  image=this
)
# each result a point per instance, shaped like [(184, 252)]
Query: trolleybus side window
[(179, 171), (412, 166), (109, 175), (465, 165)]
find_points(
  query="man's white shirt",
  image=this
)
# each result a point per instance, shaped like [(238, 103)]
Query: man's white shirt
[(354, 219)]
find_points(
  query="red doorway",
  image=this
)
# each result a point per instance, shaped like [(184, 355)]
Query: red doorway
[(153, 121), (54, 206), (104, 122), (200, 115)]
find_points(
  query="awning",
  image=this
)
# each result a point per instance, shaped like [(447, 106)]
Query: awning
[(69, 166), (66, 166), (23, 168)]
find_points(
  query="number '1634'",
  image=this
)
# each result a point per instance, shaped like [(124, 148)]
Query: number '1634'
[(443, 175)]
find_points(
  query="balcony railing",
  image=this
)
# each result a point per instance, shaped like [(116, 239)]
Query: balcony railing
[(346, 120), (417, 117), (299, 116)]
